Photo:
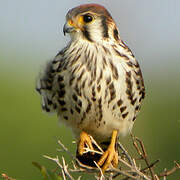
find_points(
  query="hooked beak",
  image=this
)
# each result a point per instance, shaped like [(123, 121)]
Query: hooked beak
[(68, 28)]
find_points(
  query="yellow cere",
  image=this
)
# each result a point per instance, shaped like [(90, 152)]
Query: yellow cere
[(81, 20), (71, 23)]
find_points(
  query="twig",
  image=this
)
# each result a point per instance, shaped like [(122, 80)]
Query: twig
[(171, 171), (87, 150), (156, 177), (96, 144), (63, 167), (126, 174), (143, 154), (126, 153), (63, 175), (150, 166), (66, 149), (101, 173), (134, 169), (129, 170)]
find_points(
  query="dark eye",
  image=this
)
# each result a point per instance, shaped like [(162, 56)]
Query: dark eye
[(87, 18)]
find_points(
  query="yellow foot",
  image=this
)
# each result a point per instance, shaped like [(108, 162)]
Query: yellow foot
[(85, 141), (110, 155)]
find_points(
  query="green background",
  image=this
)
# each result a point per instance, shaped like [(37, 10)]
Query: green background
[(30, 37)]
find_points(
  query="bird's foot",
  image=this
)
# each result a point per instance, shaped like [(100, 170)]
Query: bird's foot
[(110, 156), (85, 141)]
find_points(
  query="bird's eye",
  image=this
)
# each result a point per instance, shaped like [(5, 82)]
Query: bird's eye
[(87, 18)]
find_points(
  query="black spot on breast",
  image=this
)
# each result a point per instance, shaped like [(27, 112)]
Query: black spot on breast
[(106, 50), (114, 106), (75, 69), (128, 74), (72, 112), (133, 101), (120, 54), (61, 102), (73, 49), (134, 118), (61, 86), (61, 93), (143, 93), (100, 76), (108, 80), (137, 82), (137, 108), (115, 34), (60, 78), (99, 88), (77, 89), (88, 107), (125, 114), (88, 54), (106, 93), (63, 109), (74, 97), (93, 94), (140, 99), (122, 109), (75, 60), (84, 82), (104, 62), (138, 73), (90, 82), (77, 109), (72, 77), (130, 64), (112, 92), (114, 70), (89, 65), (119, 102), (79, 103), (129, 83), (129, 90)]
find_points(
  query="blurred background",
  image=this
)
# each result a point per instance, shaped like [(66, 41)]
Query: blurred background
[(31, 34)]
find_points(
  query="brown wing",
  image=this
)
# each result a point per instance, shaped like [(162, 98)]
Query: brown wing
[(48, 82), (44, 87), (137, 70)]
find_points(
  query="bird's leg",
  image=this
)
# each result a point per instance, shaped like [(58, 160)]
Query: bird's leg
[(85, 140), (110, 155)]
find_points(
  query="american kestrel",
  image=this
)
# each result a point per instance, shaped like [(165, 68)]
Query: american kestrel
[(94, 84)]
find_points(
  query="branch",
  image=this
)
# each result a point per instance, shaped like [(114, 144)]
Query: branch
[(130, 170), (171, 171), (143, 154), (64, 167)]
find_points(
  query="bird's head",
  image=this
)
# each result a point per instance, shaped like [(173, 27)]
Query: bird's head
[(91, 22)]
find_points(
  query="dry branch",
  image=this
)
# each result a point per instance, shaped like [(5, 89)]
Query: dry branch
[(129, 170)]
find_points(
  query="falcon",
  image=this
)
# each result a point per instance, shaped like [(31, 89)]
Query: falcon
[(94, 84)]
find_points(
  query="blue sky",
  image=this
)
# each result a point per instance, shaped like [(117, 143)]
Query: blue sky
[(31, 31)]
